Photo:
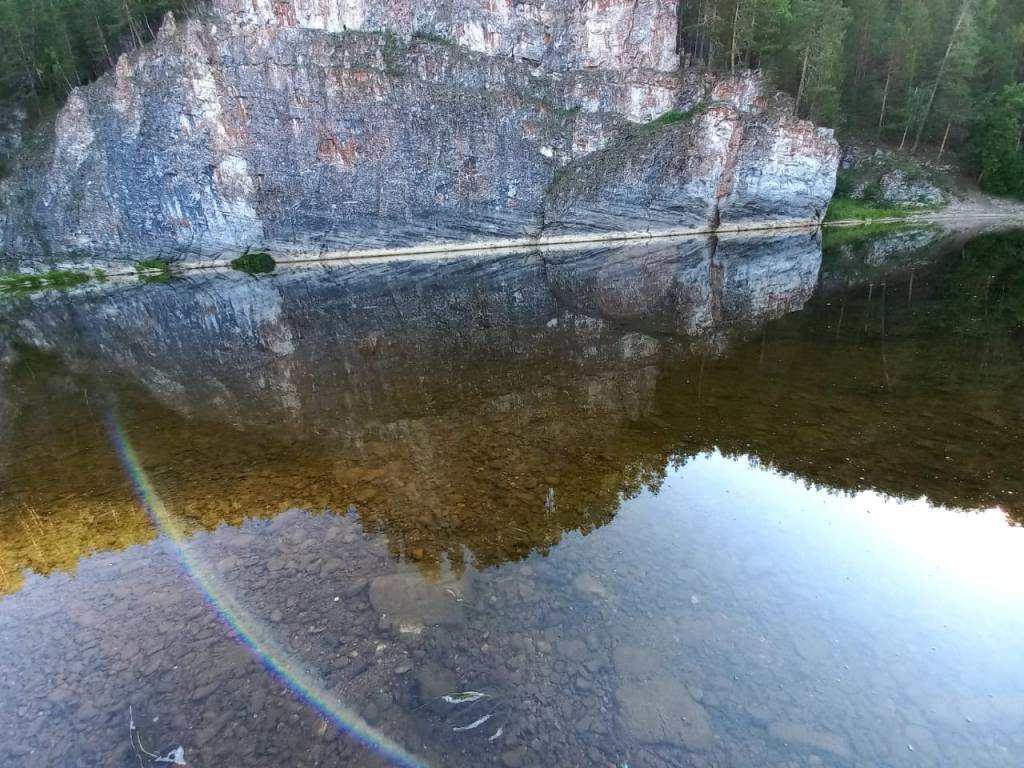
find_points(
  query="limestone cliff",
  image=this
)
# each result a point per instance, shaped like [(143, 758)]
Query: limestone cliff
[(346, 125)]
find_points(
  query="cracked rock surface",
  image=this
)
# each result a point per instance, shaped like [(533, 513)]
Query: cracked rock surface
[(313, 125)]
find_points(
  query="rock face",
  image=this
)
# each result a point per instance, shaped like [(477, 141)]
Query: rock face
[(349, 125), (553, 34), (898, 187), (662, 712), (875, 175)]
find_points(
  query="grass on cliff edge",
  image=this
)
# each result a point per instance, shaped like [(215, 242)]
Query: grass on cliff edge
[(256, 263), (674, 116), (847, 209), (431, 37), (19, 284), (153, 270), (834, 237)]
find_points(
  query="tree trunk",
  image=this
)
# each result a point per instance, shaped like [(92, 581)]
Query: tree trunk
[(732, 49), (942, 69), (71, 56), (803, 79), (30, 72), (706, 42), (945, 137), (132, 26), (885, 98), (103, 40), (862, 55)]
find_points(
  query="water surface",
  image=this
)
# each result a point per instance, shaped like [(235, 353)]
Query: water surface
[(703, 503)]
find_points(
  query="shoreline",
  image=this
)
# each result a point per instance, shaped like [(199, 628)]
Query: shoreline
[(957, 216), (974, 207)]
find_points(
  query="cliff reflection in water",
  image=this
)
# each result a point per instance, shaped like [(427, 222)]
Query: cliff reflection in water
[(486, 405)]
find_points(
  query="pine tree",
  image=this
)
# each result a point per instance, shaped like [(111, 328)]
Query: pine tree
[(816, 37)]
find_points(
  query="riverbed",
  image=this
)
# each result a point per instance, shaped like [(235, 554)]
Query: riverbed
[(738, 501)]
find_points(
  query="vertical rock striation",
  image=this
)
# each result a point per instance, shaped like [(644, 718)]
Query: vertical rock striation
[(346, 125), (226, 348)]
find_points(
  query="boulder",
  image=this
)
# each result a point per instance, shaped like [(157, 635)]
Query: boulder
[(661, 711), (899, 188), (408, 602)]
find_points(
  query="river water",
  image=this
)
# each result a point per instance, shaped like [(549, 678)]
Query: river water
[(676, 503)]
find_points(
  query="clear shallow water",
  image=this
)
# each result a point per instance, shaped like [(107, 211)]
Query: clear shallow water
[(663, 505)]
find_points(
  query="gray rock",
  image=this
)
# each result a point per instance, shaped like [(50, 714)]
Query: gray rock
[(633, 35), (12, 121), (661, 711), (637, 662), (575, 650), (407, 600), (436, 681), (798, 733), (898, 188), (852, 156), (356, 588), (589, 585)]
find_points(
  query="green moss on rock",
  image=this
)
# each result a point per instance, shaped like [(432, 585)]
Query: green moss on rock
[(254, 263)]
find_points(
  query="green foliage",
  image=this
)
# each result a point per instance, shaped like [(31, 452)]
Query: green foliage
[(22, 283), (31, 362), (673, 116), (997, 141), (390, 54), (49, 46), (835, 237), (153, 270), (254, 263), (846, 209), (815, 70), (913, 72), (431, 37)]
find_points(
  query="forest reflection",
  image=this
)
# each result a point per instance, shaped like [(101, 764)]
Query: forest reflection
[(481, 408)]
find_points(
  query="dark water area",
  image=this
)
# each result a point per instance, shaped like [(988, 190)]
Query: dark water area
[(678, 503)]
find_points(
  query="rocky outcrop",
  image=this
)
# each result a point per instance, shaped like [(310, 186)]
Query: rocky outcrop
[(351, 126), (881, 177), (555, 35), (898, 187)]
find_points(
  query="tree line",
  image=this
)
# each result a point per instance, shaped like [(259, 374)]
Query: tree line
[(50, 46), (941, 73)]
